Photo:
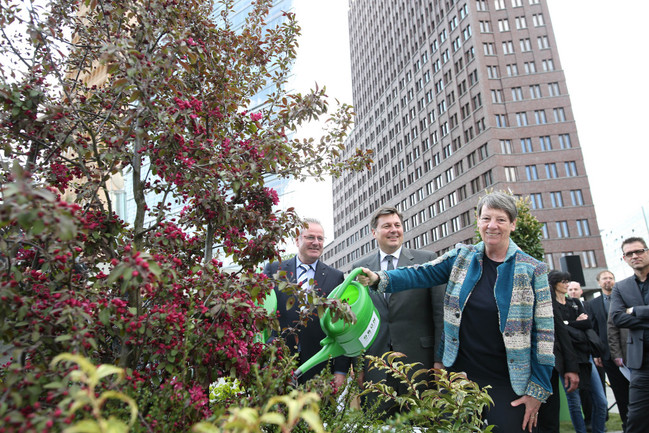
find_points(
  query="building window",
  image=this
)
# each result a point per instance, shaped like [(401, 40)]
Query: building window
[(559, 115), (485, 26), (487, 179), (499, 4), (526, 145), (492, 71), (536, 200), (562, 229), (551, 171), (548, 258), (530, 67), (455, 224), (506, 146), (510, 174), (531, 172), (556, 199), (450, 176), (481, 5), (521, 23), (521, 118), (564, 141), (553, 89), (452, 199), (497, 96), (503, 25), (571, 168), (537, 19), (548, 65), (517, 3), (577, 197), (544, 231), (540, 117), (470, 159), (475, 185), (517, 94), (526, 45), (483, 152), (501, 120), (545, 142), (588, 259), (543, 42), (582, 228), (512, 70), (535, 91), (443, 230)]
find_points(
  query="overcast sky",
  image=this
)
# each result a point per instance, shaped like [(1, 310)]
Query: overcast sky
[(602, 46)]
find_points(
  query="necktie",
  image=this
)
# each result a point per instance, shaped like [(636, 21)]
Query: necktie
[(606, 302), (390, 267), (389, 259), (303, 274)]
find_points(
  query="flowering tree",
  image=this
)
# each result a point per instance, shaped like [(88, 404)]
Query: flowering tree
[(93, 89)]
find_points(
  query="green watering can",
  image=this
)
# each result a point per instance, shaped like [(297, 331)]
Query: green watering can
[(349, 339)]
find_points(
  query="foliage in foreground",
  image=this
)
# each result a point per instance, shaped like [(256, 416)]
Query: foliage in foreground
[(153, 97), (447, 404)]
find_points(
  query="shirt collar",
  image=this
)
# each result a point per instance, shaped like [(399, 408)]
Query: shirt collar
[(298, 262), (395, 254)]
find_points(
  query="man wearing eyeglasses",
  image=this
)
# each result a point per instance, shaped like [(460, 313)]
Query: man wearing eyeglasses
[(630, 309), (303, 334)]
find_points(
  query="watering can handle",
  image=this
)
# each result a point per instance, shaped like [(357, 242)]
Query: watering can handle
[(335, 293)]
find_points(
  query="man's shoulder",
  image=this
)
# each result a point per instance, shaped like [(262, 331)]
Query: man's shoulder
[(595, 301), (625, 282), (329, 269), (275, 265), (367, 260), (421, 254)]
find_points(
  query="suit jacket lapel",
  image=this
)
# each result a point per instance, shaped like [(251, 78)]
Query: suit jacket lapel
[(632, 292), (405, 258), (376, 265), (320, 276), (289, 267)]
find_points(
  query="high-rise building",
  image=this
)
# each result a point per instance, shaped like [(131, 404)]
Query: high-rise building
[(454, 97)]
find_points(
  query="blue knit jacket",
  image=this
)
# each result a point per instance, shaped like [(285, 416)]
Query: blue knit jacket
[(524, 307)]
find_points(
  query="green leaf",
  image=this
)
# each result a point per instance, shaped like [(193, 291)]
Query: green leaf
[(104, 316), (85, 426), (38, 227)]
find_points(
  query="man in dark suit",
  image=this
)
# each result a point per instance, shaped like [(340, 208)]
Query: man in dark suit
[(630, 309), (311, 273), (412, 320), (598, 309)]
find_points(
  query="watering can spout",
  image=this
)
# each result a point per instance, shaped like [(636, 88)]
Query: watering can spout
[(349, 339), (329, 350)]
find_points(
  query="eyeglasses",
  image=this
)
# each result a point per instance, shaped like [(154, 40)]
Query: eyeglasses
[(311, 238), (638, 253)]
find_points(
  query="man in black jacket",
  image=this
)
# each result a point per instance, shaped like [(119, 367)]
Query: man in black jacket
[(630, 309), (598, 309), (307, 269)]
